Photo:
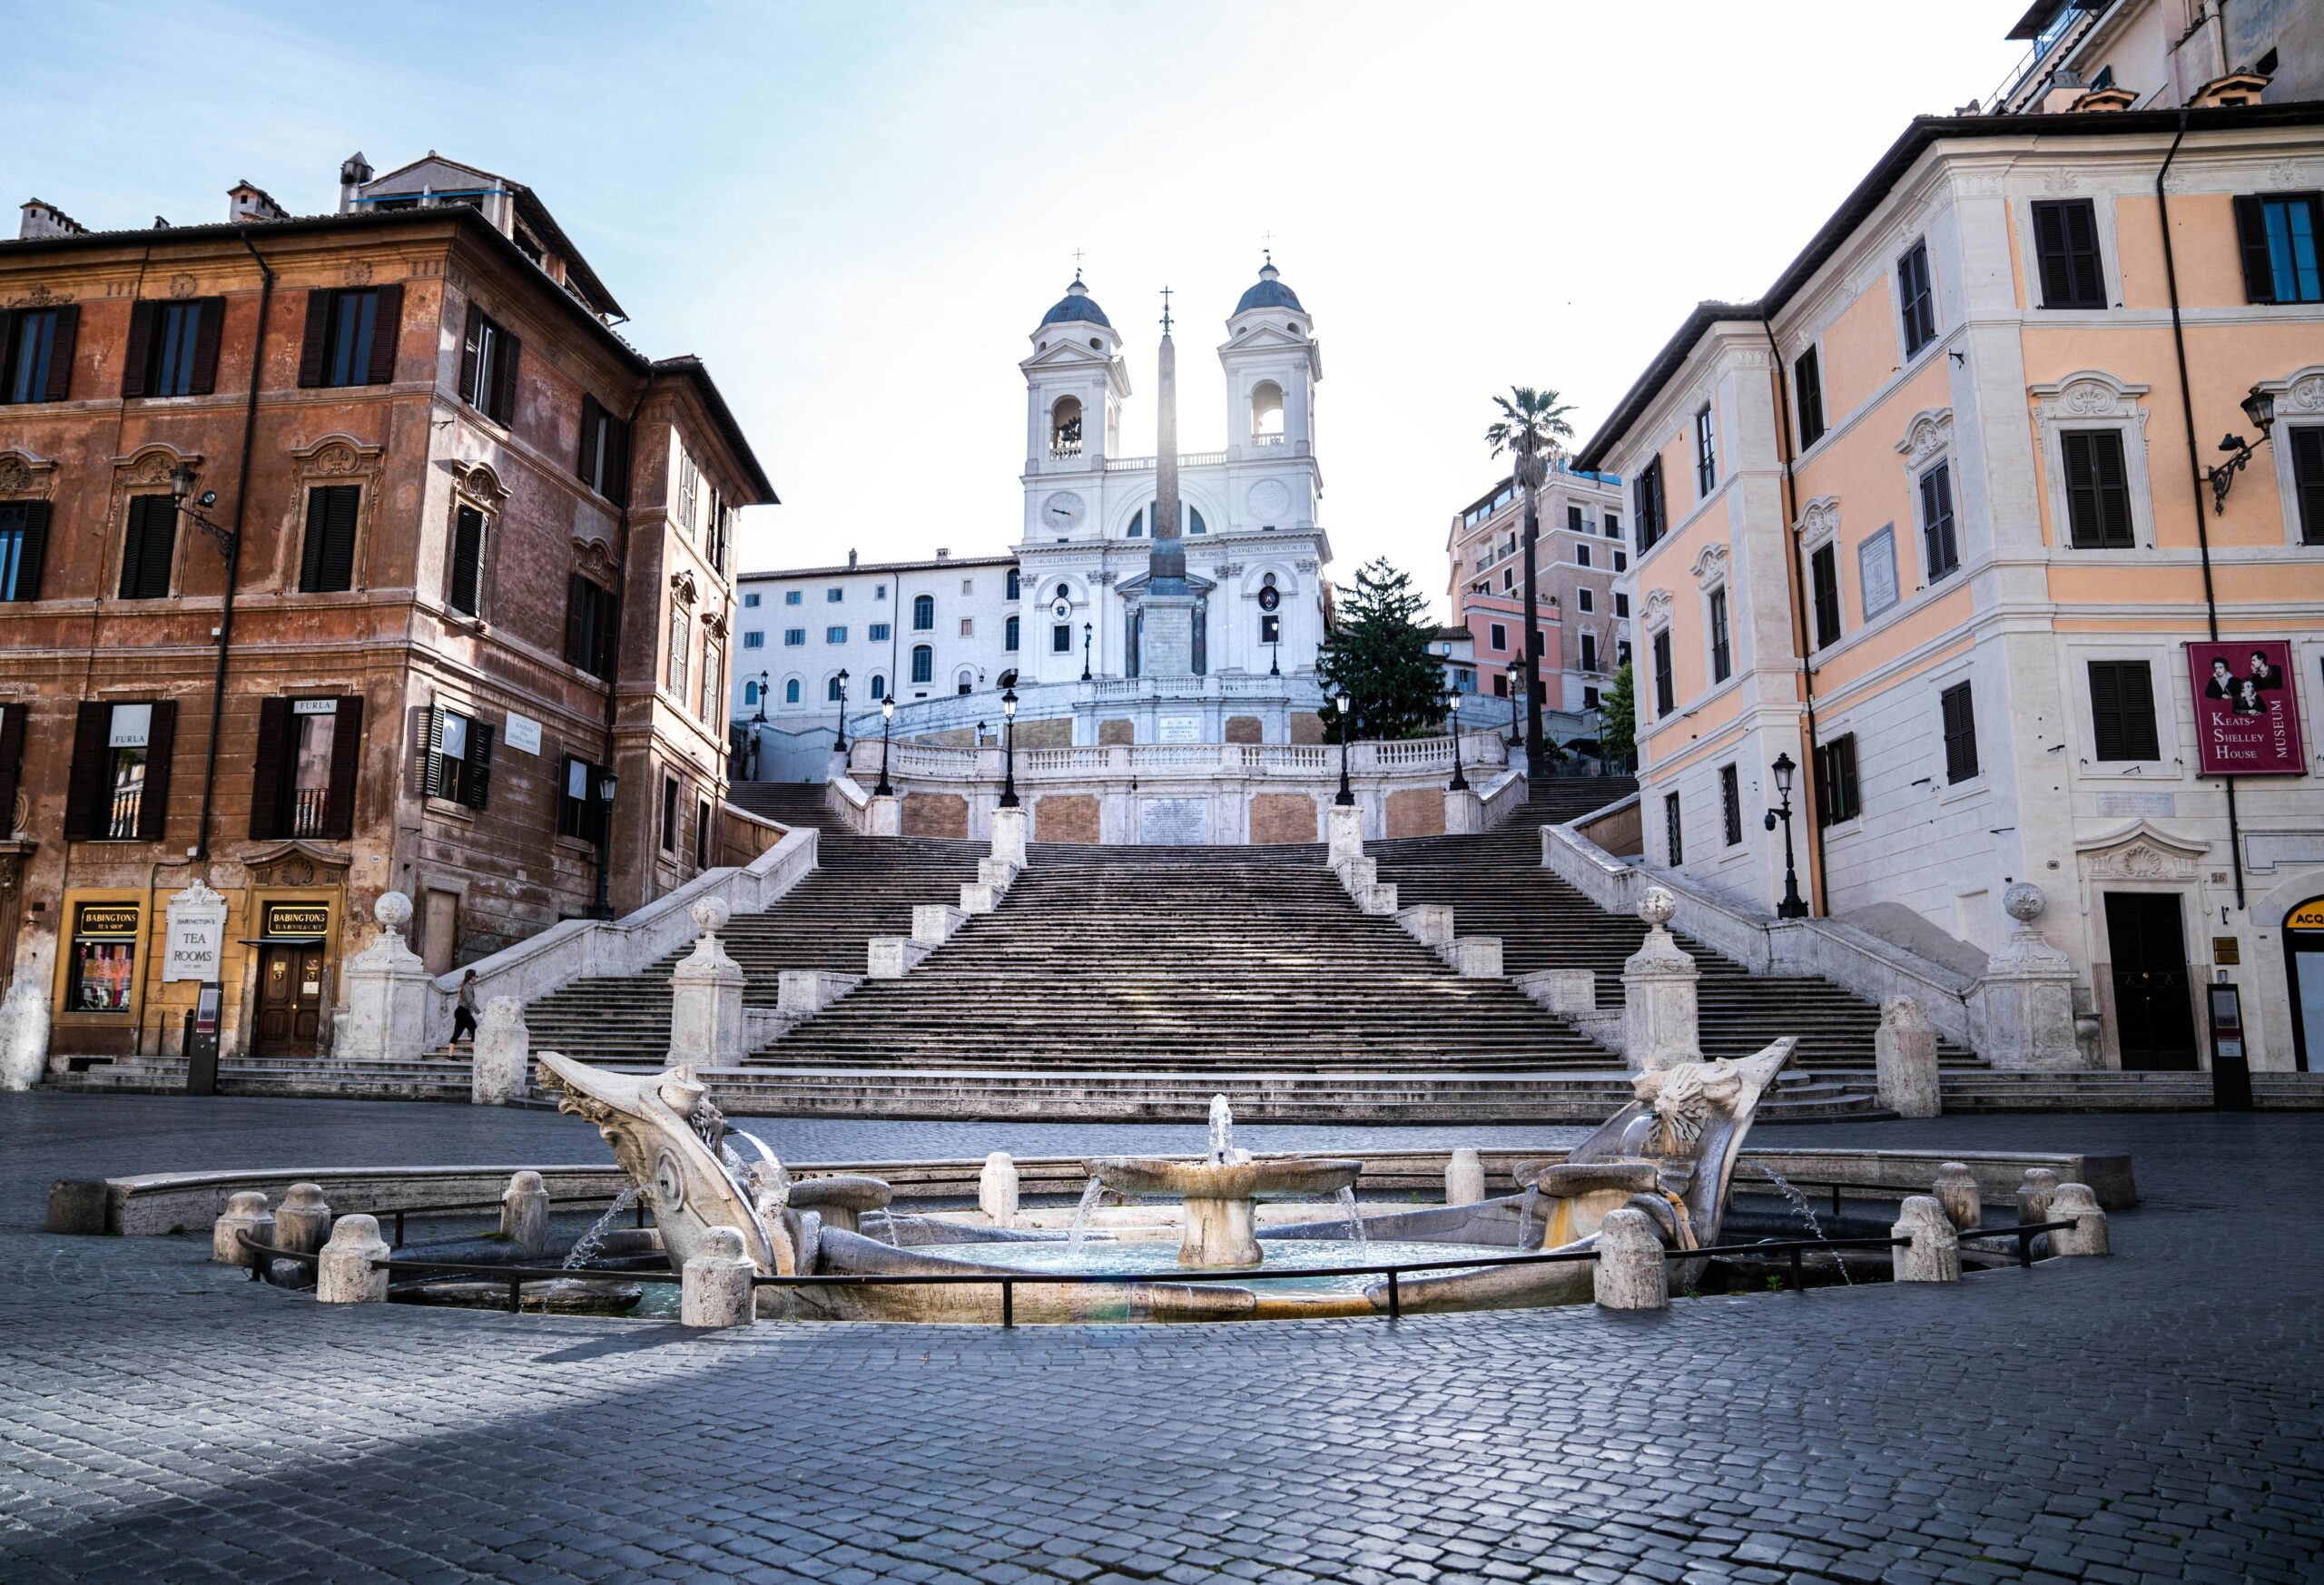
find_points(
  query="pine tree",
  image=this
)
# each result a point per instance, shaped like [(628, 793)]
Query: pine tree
[(1618, 717), (1378, 654)]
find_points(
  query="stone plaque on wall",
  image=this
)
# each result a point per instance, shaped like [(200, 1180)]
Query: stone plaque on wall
[(1875, 566), (1177, 729), (1173, 821)]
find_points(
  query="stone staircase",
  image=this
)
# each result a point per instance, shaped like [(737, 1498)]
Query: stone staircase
[(1496, 885)]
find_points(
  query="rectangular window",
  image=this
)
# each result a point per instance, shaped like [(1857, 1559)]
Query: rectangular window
[(1621, 562), (713, 672), (1497, 635), (1666, 686), (1581, 556), (102, 977), (833, 597), (303, 776), (578, 810), (701, 833), (1648, 505), (689, 492), (346, 342), (1823, 572), (750, 602), (1574, 520), (458, 766), (1721, 660), (145, 556), (878, 633), (878, 591), (1508, 579), (1588, 651), (1010, 630), (1612, 524), (1015, 584), (24, 545), (681, 651), (129, 745), (1940, 548), (2279, 233), (1674, 840), (793, 596), (36, 353), (118, 787), (669, 814), (488, 358), (1917, 299), (2121, 711), (2065, 239), (1730, 805), (591, 631), (754, 639), (1836, 794), (1706, 454), (1270, 626), (1061, 638), (466, 593), (1589, 698), (968, 585), (1960, 732), (1584, 600), (2307, 480), (1621, 604), (834, 635), (923, 664), (2098, 489), (968, 627), (1808, 396), (172, 348), (327, 560), (792, 637), (604, 462)]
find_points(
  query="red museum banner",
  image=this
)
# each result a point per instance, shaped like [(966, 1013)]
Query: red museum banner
[(2247, 713)]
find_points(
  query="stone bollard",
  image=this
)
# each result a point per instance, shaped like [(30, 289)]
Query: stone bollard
[(1429, 923), (24, 1032), (1658, 993), (706, 996), (1631, 1273), (1956, 1190), (885, 815), (1344, 823), (1008, 836), (1464, 812), (2075, 1203), (1464, 1178), (715, 1285), (388, 991), (894, 957), (1904, 1056), (503, 1054), (1933, 1256), (1472, 957), (996, 1189), (303, 1220), (2026, 993), (344, 1276), (246, 1212), (524, 1213), (2035, 1194)]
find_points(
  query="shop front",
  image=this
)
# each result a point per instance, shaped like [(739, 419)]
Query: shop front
[(99, 974), (2304, 975), (292, 967)]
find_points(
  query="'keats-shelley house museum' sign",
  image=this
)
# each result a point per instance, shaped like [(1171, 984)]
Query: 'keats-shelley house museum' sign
[(2247, 711)]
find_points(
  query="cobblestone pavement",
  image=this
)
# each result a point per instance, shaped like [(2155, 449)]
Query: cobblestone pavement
[(2152, 1416)]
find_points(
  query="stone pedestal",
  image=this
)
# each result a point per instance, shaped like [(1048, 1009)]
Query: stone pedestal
[(1345, 823), (1357, 873), (980, 897), (1957, 1192), (303, 1220), (706, 997), (345, 1275), (934, 922), (23, 1033), (1380, 901), (1464, 1178), (2026, 996), (387, 990), (1429, 923), (802, 993), (1933, 1256), (1566, 992), (1464, 812), (998, 872), (502, 1056), (1631, 1274), (1904, 1056), (885, 816), (1166, 640), (1658, 993), (996, 1189), (1219, 1232), (1473, 957), (1009, 827), (524, 1213), (246, 1212), (715, 1286), (2035, 1194), (894, 957), (2078, 1204)]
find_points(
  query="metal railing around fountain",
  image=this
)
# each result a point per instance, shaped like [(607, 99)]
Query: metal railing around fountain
[(1795, 1250), (400, 1212)]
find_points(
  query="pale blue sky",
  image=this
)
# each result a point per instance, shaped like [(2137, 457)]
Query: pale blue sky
[(857, 213)]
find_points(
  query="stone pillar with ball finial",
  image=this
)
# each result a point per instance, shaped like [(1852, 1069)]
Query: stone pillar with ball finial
[(706, 997), (1658, 993), (2026, 997), (387, 991)]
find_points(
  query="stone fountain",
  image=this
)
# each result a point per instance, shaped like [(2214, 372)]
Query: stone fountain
[(1222, 1190)]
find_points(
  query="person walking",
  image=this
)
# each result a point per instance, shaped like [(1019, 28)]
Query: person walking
[(464, 1010)]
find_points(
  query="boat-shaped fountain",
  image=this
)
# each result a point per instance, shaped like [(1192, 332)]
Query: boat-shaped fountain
[(1222, 1190)]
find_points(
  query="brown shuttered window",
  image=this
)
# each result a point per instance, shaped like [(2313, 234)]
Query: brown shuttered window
[(36, 353), (589, 627), (346, 765), (467, 560), (327, 561), (488, 357), (387, 328), (140, 351), (119, 788), (24, 545), (1807, 393), (1940, 545), (1917, 299), (316, 337), (150, 538), (1960, 719), (92, 775), (1836, 794), (2281, 236), (456, 757), (2065, 240), (1674, 835), (1666, 685), (12, 760), (2098, 491), (160, 736), (173, 348), (267, 769), (2122, 709), (1730, 804), (1650, 510), (1824, 568), (2308, 479)]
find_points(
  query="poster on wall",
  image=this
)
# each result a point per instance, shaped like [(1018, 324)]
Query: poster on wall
[(2247, 708)]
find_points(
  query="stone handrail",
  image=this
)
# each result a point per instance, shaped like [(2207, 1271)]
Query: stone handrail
[(1482, 750), (578, 949), (845, 797), (1146, 464), (1502, 797)]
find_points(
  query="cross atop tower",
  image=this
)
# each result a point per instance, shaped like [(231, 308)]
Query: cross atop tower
[(1166, 310), (1076, 264), (1268, 249)]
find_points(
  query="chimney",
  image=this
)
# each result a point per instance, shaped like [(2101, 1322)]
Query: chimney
[(245, 202), (353, 172), (943, 553), (851, 561), (2236, 88), (2106, 98), (2064, 88), (45, 220)]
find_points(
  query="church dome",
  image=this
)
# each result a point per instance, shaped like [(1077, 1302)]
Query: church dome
[(1076, 305), (1269, 292)]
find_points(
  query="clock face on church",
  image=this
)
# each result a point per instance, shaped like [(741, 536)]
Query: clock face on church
[(1061, 510)]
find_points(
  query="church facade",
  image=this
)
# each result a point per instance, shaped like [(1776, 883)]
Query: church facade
[(1165, 598)]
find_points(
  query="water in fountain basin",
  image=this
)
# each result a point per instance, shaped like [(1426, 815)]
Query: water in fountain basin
[(1346, 1199), (1082, 1213), (1222, 1128), (1806, 1215), (585, 1250)]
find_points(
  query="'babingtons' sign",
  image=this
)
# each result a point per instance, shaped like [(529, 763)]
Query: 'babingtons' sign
[(2247, 713)]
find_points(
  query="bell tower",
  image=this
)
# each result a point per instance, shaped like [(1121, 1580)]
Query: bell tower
[(1074, 385), (1272, 362)]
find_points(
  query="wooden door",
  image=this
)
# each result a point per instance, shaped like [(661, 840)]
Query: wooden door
[(2154, 1021), (290, 1001)]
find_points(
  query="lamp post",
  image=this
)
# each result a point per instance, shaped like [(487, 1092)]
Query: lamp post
[(2260, 406), (1516, 709), (608, 783), (841, 746), (887, 722), (1088, 630), (1792, 906), (762, 682), (1532, 472), (1275, 651), (1341, 703), (1008, 753), (1459, 783)]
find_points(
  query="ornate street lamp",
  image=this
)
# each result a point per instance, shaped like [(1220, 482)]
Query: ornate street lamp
[(607, 784), (1792, 906), (2260, 406), (1343, 702), (887, 722), (1008, 753), (1459, 784), (763, 681), (1088, 630), (841, 746)]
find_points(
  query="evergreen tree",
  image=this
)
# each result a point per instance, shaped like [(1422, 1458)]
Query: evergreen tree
[(1378, 654), (1618, 717)]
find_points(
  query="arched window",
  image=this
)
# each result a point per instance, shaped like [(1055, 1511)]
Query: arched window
[(1009, 635), (1015, 584), (830, 690), (1065, 427), (1267, 412), (923, 613), (878, 687), (750, 694), (923, 664), (1191, 523), (1064, 592), (966, 682), (791, 691), (1137, 526)]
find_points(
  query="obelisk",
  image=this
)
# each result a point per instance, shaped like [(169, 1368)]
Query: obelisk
[(1166, 638)]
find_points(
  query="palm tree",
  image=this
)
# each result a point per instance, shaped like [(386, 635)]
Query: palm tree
[(1531, 423)]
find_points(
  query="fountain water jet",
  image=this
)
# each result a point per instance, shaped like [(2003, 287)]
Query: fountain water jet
[(1221, 1192)]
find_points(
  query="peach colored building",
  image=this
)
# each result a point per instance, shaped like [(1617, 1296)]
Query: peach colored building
[(1930, 518), (1584, 624)]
